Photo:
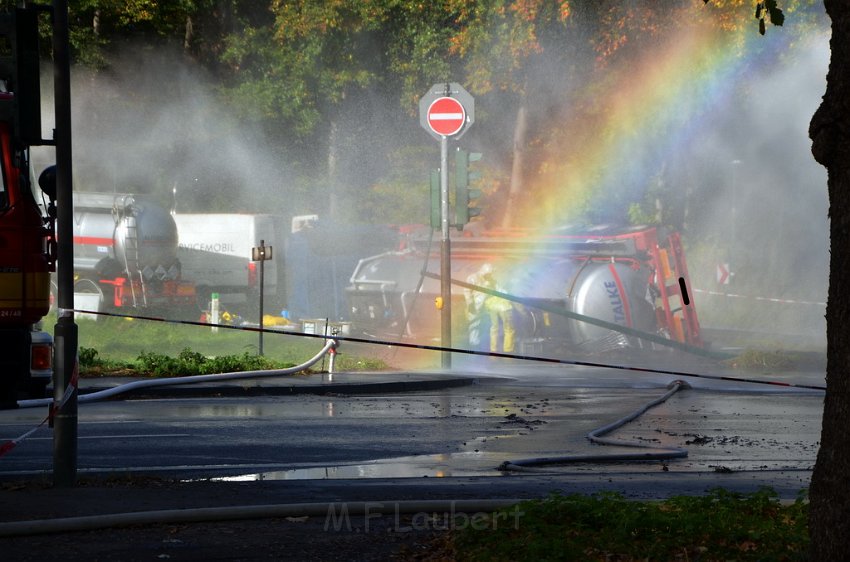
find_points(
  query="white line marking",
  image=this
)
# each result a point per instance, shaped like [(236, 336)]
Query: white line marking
[(148, 435)]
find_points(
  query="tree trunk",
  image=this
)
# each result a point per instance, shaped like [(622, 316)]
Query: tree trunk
[(188, 34), (829, 516), (518, 168), (333, 157)]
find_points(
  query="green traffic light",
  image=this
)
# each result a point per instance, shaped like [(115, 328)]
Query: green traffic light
[(436, 213), (464, 195)]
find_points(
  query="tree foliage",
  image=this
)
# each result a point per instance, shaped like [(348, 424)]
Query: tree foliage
[(299, 70)]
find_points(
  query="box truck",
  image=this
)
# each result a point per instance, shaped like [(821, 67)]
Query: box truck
[(215, 251)]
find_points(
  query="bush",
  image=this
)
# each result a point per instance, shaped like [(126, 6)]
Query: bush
[(88, 357), (189, 363)]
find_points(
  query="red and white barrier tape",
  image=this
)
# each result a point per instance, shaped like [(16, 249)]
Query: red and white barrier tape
[(55, 407), (769, 299)]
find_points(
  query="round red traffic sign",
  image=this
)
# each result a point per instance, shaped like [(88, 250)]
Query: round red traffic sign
[(446, 116)]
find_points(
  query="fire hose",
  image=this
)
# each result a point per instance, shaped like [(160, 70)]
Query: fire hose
[(329, 510), (595, 436), (588, 319)]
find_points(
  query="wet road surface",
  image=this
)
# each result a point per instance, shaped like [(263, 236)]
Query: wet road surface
[(515, 411)]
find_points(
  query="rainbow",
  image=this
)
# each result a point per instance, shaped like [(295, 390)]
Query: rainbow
[(632, 121), (640, 117)]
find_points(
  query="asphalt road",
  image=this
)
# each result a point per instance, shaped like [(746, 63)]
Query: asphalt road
[(739, 434)]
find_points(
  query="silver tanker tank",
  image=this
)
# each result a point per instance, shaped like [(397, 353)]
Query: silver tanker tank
[(119, 234)]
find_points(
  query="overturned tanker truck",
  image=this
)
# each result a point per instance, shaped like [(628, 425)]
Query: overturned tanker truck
[(590, 290)]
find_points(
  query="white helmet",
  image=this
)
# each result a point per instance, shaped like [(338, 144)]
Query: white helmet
[(486, 269)]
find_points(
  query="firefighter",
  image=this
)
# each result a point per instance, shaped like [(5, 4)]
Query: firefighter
[(475, 311), (500, 312)]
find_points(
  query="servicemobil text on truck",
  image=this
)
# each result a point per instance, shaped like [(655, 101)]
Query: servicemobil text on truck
[(215, 253)]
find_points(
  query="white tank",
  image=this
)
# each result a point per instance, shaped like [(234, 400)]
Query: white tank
[(122, 235)]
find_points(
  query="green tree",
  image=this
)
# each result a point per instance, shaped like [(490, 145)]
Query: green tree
[(499, 43), (96, 23), (304, 69), (319, 62)]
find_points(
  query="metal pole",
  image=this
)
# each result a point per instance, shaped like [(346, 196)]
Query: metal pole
[(262, 290), (65, 419), (733, 229), (445, 255)]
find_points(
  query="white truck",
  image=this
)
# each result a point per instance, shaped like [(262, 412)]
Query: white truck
[(214, 250)]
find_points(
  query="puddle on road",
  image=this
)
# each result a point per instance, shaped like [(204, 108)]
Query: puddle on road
[(418, 466), (485, 463)]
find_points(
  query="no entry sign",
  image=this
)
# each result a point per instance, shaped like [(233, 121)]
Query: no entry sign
[(446, 116), (447, 110)]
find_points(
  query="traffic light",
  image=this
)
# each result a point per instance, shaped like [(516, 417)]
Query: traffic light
[(435, 200), (464, 193)]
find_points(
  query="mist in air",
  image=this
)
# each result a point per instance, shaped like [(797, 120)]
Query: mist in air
[(741, 186)]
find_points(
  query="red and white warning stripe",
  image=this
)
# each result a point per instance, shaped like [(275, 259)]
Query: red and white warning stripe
[(12, 443), (55, 407), (768, 299)]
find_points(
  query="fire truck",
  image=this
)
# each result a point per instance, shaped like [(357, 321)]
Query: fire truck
[(27, 234)]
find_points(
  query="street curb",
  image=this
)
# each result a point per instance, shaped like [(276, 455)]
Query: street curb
[(236, 390)]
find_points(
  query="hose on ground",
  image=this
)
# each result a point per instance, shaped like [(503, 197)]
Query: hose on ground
[(334, 512), (149, 383), (595, 436)]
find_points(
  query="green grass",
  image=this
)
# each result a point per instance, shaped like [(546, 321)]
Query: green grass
[(753, 359), (721, 525), (122, 346)]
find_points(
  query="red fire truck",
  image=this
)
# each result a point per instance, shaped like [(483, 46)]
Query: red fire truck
[(27, 239)]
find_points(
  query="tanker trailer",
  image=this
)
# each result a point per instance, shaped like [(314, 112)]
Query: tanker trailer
[(125, 251), (592, 291)]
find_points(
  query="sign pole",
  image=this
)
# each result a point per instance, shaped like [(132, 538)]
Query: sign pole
[(261, 253), (262, 290), (445, 255), (65, 436), (447, 110)]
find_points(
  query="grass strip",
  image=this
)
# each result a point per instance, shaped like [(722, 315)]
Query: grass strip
[(720, 525)]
